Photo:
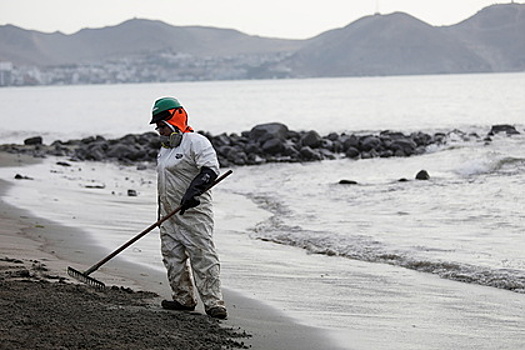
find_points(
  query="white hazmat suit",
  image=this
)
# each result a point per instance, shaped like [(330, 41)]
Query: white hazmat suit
[(186, 240)]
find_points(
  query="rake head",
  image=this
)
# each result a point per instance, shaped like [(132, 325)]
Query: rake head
[(84, 278)]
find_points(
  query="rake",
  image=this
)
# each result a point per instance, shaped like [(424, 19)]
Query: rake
[(84, 276)]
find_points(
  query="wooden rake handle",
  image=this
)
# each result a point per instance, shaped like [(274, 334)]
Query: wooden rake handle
[(147, 230)]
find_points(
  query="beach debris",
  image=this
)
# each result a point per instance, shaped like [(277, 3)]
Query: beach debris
[(126, 290), (21, 273), (63, 164), (22, 177), (347, 182), (12, 260), (17, 269), (39, 266), (422, 175), (95, 185)]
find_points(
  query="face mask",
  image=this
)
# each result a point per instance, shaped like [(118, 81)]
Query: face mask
[(171, 141)]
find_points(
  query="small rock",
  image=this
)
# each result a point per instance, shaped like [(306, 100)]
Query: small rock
[(22, 177), (37, 140), (506, 128), (132, 193), (422, 175)]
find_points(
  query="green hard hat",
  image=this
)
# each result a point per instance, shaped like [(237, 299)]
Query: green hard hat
[(161, 106)]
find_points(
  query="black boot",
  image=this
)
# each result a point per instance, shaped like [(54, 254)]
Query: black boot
[(175, 305), (217, 312)]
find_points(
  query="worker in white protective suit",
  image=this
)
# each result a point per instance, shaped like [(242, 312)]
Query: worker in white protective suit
[(186, 165)]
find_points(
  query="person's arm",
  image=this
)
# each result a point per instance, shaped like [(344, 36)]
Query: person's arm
[(197, 187)]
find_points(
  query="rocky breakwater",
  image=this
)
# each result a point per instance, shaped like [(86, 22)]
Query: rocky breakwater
[(274, 142), (265, 143)]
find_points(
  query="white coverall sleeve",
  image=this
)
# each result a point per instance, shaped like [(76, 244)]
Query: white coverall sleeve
[(204, 154)]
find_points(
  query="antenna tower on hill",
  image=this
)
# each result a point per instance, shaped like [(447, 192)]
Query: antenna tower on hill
[(377, 8)]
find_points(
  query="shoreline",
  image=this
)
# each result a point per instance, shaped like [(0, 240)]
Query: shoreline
[(29, 238)]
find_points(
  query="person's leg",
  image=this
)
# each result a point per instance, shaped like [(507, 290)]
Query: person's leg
[(179, 272), (205, 265)]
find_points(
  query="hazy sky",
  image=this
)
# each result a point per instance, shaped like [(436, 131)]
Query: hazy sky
[(290, 19)]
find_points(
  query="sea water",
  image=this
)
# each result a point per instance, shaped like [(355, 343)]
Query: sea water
[(403, 103), (383, 264)]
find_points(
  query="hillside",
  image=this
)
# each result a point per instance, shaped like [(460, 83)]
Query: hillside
[(497, 34), (133, 37), (383, 45)]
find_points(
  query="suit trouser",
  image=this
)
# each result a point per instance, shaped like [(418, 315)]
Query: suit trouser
[(192, 263)]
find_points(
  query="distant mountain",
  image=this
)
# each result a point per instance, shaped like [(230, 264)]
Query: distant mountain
[(133, 37), (497, 34), (493, 40), (384, 45)]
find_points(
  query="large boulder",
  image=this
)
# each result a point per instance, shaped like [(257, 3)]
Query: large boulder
[(264, 132), (273, 146), (33, 141), (123, 151), (96, 151), (308, 154), (220, 140), (311, 139), (403, 147), (421, 138), (349, 141), (370, 143), (352, 152)]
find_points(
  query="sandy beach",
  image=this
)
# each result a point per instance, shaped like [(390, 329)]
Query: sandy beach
[(43, 307)]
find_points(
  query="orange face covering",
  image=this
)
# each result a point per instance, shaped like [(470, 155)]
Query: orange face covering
[(179, 119)]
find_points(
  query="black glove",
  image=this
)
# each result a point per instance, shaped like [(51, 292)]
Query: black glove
[(198, 186)]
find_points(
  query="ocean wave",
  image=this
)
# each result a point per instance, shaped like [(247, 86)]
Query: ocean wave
[(502, 165), (511, 165), (365, 248)]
